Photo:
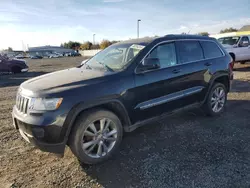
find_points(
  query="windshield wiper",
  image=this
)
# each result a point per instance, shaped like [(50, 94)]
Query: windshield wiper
[(106, 66), (88, 67)]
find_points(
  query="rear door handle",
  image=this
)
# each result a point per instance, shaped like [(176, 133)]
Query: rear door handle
[(208, 64), (175, 71)]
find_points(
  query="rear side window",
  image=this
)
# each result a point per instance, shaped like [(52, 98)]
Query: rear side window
[(190, 51), (211, 49)]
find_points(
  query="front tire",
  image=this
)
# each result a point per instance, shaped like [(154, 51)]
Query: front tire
[(216, 100), (96, 136)]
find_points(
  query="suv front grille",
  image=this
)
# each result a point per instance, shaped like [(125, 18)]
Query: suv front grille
[(22, 103)]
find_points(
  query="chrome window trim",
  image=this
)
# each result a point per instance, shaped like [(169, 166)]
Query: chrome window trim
[(169, 41)]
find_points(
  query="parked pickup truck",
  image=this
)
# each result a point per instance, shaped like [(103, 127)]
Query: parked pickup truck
[(238, 47)]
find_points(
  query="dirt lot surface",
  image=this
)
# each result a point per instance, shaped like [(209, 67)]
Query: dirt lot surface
[(184, 150)]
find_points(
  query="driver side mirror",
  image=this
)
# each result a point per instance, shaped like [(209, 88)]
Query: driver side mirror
[(149, 64)]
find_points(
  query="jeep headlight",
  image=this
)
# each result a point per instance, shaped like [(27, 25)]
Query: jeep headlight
[(44, 104)]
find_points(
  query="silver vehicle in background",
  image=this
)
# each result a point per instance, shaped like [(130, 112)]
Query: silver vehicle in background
[(238, 47)]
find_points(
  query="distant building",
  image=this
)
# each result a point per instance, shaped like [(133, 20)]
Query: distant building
[(45, 50)]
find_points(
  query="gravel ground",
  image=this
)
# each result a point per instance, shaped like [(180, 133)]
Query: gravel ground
[(182, 150)]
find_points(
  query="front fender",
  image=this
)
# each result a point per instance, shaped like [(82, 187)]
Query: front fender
[(80, 107)]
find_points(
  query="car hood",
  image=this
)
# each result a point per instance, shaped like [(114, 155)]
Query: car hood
[(62, 80), (17, 61)]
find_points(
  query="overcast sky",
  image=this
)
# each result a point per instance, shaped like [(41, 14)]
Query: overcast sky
[(51, 22)]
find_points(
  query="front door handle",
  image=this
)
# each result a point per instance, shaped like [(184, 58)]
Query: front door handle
[(208, 64), (175, 71)]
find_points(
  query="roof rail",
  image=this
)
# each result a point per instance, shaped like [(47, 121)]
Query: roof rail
[(169, 35)]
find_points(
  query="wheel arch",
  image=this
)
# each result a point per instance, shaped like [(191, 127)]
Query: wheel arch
[(232, 55), (114, 106), (222, 78)]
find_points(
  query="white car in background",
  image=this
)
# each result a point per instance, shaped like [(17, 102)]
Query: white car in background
[(238, 47), (59, 54), (67, 54), (54, 56), (19, 56)]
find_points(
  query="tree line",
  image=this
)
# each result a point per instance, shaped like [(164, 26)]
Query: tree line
[(105, 43), (227, 30), (87, 45)]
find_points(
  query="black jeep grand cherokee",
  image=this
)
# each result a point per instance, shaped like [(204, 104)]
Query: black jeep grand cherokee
[(121, 88)]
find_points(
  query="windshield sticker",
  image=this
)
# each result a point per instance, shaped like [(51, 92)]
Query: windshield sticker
[(137, 46)]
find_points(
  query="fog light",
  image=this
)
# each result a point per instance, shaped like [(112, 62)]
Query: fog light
[(38, 132)]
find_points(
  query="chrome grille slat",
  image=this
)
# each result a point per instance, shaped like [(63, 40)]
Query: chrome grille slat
[(16, 99), (26, 107), (25, 104), (22, 103), (18, 102)]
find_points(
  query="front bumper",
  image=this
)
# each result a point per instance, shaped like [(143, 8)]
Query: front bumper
[(49, 138)]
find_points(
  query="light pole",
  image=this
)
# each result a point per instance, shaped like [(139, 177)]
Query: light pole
[(138, 21), (93, 39)]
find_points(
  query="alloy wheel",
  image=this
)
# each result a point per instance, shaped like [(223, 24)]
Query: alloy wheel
[(99, 138), (218, 99)]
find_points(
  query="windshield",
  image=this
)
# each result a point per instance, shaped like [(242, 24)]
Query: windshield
[(4, 57), (115, 57), (229, 40)]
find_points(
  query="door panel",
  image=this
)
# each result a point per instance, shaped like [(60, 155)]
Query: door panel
[(157, 92), (242, 53), (195, 69), (180, 83), (196, 80), (3, 66)]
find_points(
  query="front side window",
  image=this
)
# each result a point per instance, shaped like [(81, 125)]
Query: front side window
[(211, 49), (190, 51), (244, 41), (115, 57), (166, 54), (229, 40)]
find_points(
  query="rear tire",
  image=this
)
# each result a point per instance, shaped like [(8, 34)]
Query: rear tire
[(16, 70), (95, 136), (242, 62), (216, 100)]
